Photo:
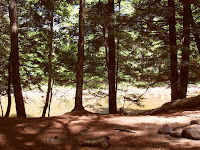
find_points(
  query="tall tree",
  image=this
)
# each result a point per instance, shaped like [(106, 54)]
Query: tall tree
[(173, 51), (184, 75), (111, 65), (194, 28), (80, 61), (49, 90), (14, 58), (9, 90)]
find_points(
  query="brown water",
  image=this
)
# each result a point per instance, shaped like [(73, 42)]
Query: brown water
[(95, 100)]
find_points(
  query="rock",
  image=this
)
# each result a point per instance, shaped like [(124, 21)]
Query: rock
[(165, 129), (54, 139), (192, 132), (195, 122), (176, 134)]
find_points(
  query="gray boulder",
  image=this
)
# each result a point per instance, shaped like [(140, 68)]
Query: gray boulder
[(191, 132), (195, 122), (176, 134), (165, 129)]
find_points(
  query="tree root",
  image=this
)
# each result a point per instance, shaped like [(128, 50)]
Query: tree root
[(101, 143)]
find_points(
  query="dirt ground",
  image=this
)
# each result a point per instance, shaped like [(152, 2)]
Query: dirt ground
[(66, 132)]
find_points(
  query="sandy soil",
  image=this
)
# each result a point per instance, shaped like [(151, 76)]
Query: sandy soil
[(66, 132)]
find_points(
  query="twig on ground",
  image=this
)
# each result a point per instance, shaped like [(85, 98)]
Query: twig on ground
[(125, 130)]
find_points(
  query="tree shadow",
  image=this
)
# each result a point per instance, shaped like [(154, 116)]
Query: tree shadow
[(71, 129)]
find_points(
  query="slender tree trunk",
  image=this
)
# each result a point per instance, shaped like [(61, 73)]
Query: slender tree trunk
[(9, 89), (50, 63), (118, 47), (1, 107), (185, 50), (173, 51), (106, 46), (50, 99), (20, 109), (195, 33), (80, 61), (111, 68)]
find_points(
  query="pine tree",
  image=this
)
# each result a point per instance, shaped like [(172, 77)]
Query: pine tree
[(111, 64), (80, 61), (184, 70), (14, 58), (173, 51)]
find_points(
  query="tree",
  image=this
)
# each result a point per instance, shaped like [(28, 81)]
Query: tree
[(111, 65), (194, 28), (14, 58), (184, 74), (80, 61), (49, 90), (9, 90), (173, 51), (5, 79)]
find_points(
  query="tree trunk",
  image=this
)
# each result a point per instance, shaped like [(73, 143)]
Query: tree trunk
[(185, 50), (105, 45), (80, 61), (50, 100), (173, 51), (20, 109), (9, 89), (111, 68), (118, 47), (50, 63), (195, 33)]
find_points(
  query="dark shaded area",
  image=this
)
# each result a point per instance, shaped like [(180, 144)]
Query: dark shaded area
[(72, 128)]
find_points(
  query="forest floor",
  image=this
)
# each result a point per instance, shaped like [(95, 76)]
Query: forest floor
[(69, 130)]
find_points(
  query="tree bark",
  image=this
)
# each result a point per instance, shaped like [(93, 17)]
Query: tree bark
[(173, 51), (118, 47), (111, 68), (195, 33), (105, 45), (185, 51), (80, 61), (49, 90), (9, 89), (20, 109)]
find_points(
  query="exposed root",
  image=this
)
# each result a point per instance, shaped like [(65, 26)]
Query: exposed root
[(101, 143)]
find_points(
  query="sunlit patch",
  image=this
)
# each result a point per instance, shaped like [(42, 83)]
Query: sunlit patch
[(29, 144), (29, 130), (20, 125)]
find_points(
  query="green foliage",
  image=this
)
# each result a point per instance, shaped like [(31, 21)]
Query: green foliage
[(4, 46), (141, 37)]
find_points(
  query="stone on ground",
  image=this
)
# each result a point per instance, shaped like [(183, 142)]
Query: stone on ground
[(192, 132), (176, 134), (165, 129), (195, 122)]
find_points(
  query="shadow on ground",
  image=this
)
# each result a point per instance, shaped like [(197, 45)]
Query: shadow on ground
[(71, 129)]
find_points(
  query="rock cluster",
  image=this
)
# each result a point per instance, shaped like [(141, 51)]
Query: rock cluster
[(191, 131)]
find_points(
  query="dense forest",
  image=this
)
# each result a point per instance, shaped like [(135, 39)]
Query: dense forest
[(97, 44)]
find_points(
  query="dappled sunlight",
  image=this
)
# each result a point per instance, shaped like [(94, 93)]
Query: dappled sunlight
[(69, 130), (146, 119)]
